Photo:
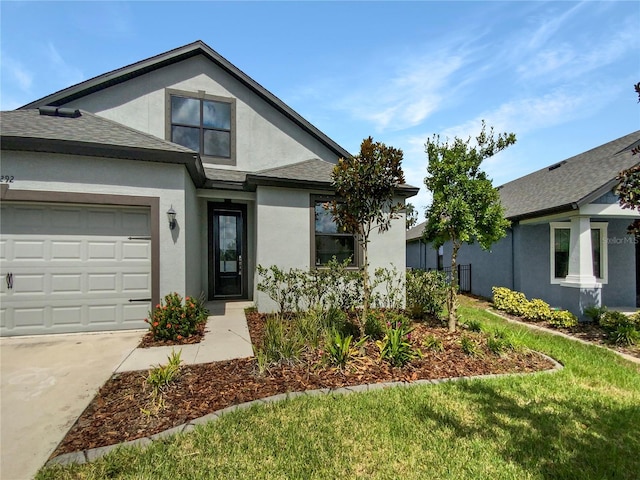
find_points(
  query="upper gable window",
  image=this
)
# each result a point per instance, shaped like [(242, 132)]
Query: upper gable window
[(203, 124)]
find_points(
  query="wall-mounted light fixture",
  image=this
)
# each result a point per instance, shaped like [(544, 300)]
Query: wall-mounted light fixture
[(171, 215)]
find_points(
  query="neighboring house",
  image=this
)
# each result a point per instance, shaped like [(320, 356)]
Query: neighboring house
[(177, 173), (568, 241)]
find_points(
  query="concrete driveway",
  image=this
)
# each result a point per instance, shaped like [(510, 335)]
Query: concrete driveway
[(46, 383)]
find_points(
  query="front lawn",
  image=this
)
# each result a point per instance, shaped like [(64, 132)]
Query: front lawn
[(583, 422)]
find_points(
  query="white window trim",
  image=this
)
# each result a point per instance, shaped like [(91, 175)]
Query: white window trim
[(604, 263)]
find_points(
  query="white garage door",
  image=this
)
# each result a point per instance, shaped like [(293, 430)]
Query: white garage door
[(73, 268)]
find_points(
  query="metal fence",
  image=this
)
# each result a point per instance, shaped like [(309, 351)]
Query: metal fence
[(464, 277)]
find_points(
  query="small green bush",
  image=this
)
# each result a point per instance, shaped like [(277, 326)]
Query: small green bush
[(374, 324), (162, 375), (171, 320), (594, 313), (622, 329), (562, 319), (426, 293)]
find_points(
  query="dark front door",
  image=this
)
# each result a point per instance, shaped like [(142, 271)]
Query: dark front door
[(227, 273)]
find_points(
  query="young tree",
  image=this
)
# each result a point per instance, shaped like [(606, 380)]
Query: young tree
[(366, 186), (465, 206), (411, 215), (628, 191)]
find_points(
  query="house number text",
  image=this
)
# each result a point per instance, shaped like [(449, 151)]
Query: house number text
[(6, 178)]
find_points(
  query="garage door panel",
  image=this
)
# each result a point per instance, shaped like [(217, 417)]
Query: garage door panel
[(66, 250), (133, 312), (75, 269), (29, 250), (66, 283), (101, 250), (104, 283), (66, 316)]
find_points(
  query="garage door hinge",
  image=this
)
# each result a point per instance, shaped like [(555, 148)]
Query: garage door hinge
[(139, 238), (139, 299)]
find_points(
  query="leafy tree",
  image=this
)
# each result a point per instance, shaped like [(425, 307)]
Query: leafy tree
[(465, 207), (411, 215), (628, 191), (366, 186)]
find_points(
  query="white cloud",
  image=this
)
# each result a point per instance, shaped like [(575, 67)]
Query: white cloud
[(68, 74), (22, 77)]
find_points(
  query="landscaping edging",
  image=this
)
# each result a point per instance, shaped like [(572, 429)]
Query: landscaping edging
[(85, 456), (562, 334)]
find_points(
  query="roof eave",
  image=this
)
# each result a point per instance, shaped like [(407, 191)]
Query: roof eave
[(29, 144)]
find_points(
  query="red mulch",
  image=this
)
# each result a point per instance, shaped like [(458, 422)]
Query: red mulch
[(115, 414)]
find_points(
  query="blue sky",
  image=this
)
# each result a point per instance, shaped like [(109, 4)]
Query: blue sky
[(559, 75)]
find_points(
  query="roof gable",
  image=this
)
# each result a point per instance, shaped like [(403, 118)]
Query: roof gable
[(571, 183), (179, 54)]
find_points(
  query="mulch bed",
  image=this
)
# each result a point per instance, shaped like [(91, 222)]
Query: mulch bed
[(116, 413), (148, 340)]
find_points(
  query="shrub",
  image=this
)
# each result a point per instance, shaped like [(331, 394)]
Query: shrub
[(594, 313), (625, 335), (500, 342), (171, 320), (426, 293), (622, 329), (562, 319), (536, 310), (374, 324), (509, 301), (282, 287), (395, 347), (392, 296)]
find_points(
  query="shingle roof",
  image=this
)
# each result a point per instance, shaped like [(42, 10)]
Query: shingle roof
[(176, 55), (415, 233), (91, 135), (87, 128), (565, 185), (572, 182)]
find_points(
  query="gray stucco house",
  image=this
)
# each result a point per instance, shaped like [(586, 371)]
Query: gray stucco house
[(177, 173), (568, 241)]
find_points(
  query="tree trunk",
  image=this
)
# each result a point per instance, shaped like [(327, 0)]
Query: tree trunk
[(452, 295), (366, 289)]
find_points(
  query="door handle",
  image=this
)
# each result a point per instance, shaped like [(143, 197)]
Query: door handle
[(239, 264), (9, 279)]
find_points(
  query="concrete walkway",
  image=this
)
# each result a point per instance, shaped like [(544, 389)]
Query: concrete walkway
[(48, 380), (227, 338)]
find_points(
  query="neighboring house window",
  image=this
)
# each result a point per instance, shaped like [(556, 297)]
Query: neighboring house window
[(560, 245), (330, 240), (203, 123), (441, 258)]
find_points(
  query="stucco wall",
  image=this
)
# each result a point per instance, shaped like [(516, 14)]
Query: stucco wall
[(191, 227), (265, 138), (284, 235), (621, 289), (78, 174)]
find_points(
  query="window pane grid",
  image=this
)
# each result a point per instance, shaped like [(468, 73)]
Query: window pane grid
[(202, 125), (329, 241)]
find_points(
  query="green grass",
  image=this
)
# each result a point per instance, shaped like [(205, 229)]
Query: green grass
[(583, 422)]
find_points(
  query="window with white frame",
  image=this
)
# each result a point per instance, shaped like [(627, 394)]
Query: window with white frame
[(560, 250)]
